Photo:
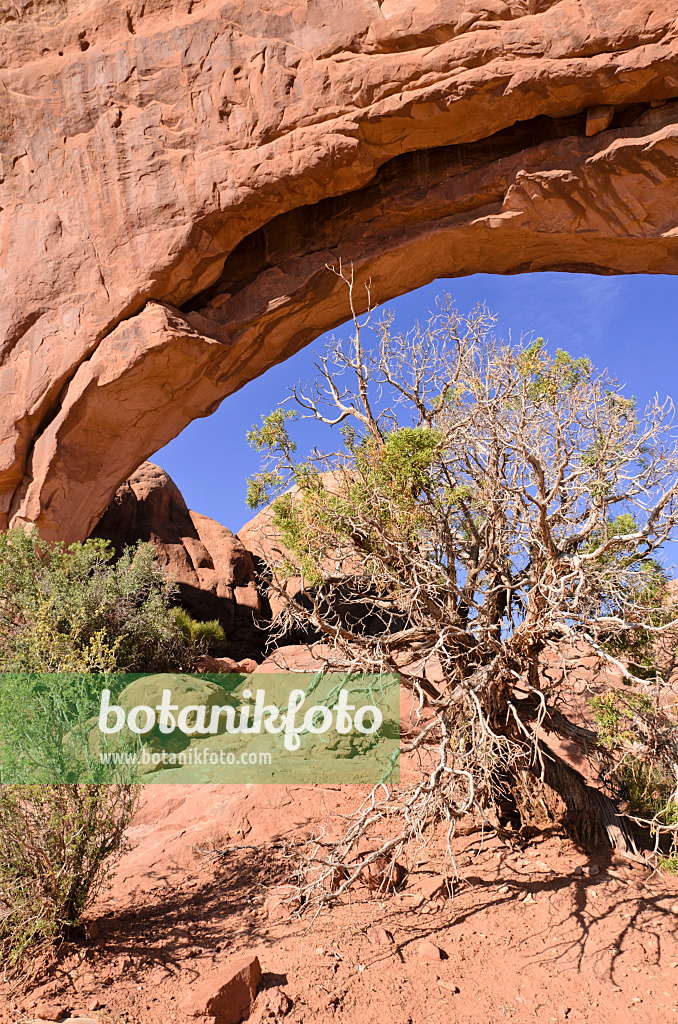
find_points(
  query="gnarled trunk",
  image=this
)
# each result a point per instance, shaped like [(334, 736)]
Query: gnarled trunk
[(549, 792)]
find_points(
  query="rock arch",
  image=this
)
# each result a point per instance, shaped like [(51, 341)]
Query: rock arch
[(175, 176)]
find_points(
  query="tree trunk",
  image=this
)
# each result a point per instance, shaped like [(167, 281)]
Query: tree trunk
[(550, 793)]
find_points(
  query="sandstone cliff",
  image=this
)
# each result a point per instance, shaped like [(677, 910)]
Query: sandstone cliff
[(213, 570), (176, 175)]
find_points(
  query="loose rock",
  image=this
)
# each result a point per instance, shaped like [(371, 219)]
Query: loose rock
[(225, 997)]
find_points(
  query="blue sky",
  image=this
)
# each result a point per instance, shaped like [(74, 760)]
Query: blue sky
[(625, 324)]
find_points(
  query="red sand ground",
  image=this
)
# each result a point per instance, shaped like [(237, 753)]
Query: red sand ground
[(524, 938)]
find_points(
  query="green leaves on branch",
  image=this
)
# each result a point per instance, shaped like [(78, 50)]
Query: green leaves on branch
[(551, 376), (75, 609), (272, 440), (272, 436)]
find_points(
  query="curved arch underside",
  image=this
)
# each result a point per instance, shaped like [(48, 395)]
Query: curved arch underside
[(176, 176)]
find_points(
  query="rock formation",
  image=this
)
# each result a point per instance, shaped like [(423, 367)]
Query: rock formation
[(213, 570), (177, 175)]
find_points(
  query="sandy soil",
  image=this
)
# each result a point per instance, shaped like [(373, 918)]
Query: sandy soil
[(534, 931)]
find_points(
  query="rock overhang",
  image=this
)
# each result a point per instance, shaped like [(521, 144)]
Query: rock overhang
[(174, 191)]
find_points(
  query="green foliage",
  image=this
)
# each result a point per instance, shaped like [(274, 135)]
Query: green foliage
[(613, 713), (397, 470), (211, 632), (649, 790), (646, 786), (66, 614), (273, 439), (260, 488), (57, 846), (75, 609), (45, 724), (549, 376), (273, 435)]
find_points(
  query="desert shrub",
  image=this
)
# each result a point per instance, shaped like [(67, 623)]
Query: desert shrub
[(72, 620), (76, 609), (57, 847), (60, 827), (645, 785), (210, 632), (649, 790), (45, 726)]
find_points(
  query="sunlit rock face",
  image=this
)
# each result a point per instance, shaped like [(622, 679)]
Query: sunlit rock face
[(211, 568), (177, 175)]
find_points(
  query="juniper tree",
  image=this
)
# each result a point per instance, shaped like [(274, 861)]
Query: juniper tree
[(497, 506)]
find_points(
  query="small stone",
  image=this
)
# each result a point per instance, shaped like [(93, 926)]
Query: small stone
[(227, 995), (51, 1009), (281, 902), (336, 878), (429, 886), (579, 870), (427, 952), (382, 875), (271, 1004), (378, 936), (593, 869)]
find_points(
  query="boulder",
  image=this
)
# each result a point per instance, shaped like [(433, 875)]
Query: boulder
[(382, 875), (426, 952), (147, 691), (281, 902), (272, 1005), (262, 540), (213, 570)]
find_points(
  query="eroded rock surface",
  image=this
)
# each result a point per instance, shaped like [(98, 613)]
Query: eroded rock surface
[(213, 570), (176, 175)]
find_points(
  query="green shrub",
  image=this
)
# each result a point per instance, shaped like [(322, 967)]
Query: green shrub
[(649, 790), (69, 617), (645, 784), (57, 847), (210, 632), (45, 726), (76, 609)]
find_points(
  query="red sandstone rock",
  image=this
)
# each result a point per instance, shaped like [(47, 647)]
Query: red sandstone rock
[(176, 174), (378, 936), (295, 658), (426, 952), (598, 119), (382, 875), (273, 1004), (226, 996), (214, 572), (209, 664), (263, 542), (281, 902)]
